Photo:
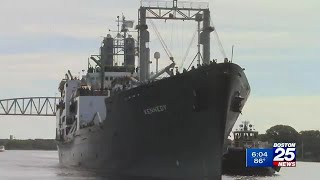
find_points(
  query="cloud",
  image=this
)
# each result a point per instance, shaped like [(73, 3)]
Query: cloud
[(74, 18), (31, 127), (37, 74), (300, 112)]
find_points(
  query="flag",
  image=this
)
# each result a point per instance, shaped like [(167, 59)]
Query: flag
[(128, 24)]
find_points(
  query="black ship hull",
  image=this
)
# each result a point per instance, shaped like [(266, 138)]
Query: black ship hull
[(234, 163), (170, 128)]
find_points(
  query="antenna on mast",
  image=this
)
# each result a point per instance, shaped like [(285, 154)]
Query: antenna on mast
[(232, 53), (118, 17)]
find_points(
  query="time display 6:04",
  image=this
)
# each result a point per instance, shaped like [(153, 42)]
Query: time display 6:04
[(259, 154)]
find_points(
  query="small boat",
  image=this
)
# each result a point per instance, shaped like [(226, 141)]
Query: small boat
[(234, 160), (2, 149)]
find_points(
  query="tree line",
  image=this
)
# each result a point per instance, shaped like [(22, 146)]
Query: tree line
[(30, 144), (308, 142)]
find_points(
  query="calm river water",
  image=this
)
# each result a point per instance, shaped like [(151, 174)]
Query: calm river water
[(42, 165)]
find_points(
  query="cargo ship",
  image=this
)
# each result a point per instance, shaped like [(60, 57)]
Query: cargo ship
[(234, 160), (121, 119)]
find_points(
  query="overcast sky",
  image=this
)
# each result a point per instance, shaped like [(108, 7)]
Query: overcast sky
[(276, 41)]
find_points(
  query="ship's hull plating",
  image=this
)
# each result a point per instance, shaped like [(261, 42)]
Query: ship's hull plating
[(171, 128)]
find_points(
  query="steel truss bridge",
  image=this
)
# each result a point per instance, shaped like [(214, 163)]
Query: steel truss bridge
[(29, 106)]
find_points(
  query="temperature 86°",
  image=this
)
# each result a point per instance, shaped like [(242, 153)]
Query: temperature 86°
[(259, 160)]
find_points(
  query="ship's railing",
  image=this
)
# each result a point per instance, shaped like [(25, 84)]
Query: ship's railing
[(180, 4), (29, 106)]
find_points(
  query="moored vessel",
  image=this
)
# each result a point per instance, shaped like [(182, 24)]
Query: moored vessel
[(234, 160), (2, 148), (118, 118)]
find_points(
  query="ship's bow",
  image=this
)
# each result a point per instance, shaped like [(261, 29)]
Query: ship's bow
[(176, 127)]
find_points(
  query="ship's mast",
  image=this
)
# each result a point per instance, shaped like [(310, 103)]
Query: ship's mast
[(112, 48), (199, 19), (172, 11)]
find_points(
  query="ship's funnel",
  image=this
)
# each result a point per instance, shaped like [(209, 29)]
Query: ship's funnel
[(129, 50), (107, 51)]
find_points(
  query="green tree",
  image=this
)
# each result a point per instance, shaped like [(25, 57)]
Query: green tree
[(264, 138), (310, 142), (282, 133), (30, 144)]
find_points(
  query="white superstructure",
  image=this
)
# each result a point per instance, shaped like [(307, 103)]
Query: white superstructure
[(83, 101), (2, 149)]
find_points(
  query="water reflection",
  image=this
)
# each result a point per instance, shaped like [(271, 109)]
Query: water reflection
[(44, 165)]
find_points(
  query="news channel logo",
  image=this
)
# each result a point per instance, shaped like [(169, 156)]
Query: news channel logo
[(281, 155)]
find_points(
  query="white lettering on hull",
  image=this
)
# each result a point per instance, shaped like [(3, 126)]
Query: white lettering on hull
[(156, 109)]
